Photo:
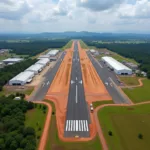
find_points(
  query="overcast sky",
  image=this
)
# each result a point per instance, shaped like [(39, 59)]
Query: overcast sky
[(75, 15)]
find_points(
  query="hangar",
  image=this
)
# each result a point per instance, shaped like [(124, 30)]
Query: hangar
[(22, 78), (53, 52), (36, 68), (43, 62), (118, 67)]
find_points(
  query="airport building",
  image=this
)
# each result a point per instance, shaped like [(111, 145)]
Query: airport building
[(11, 61), (22, 78), (36, 68), (118, 67), (44, 57), (94, 52), (53, 53), (43, 62)]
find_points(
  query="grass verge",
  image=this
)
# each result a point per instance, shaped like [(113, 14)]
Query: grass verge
[(53, 142), (83, 45), (68, 45), (99, 103), (126, 124), (139, 94), (35, 118), (130, 81)]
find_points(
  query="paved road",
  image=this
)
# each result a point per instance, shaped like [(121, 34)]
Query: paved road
[(40, 93), (110, 81), (77, 118)]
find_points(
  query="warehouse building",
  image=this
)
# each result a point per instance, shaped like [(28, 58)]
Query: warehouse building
[(36, 68), (43, 62), (22, 78), (118, 67), (12, 60), (53, 52), (94, 52)]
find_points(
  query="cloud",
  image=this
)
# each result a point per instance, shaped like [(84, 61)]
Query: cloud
[(141, 10), (14, 9), (98, 5)]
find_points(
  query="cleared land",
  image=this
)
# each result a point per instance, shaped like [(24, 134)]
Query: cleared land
[(35, 118), (130, 81), (53, 142), (126, 123), (139, 94)]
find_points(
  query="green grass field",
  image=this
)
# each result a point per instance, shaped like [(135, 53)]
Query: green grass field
[(126, 123), (68, 45), (54, 143), (98, 103), (130, 80), (36, 118), (139, 94)]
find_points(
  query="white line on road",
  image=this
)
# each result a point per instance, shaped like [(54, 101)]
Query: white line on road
[(76, 125), (48, 83), (100, 65), (76, 78), (76, 94)]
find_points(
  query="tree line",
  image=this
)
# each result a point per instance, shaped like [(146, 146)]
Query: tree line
[(9, 72), (14, 135), (138, 52), (33, 47)]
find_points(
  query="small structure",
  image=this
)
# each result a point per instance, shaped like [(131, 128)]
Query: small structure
[(43, 62), (12, 60), (53, 52), (144, 74), (3, 51), (94, 52), (118, 67), (131, 65), (36, 68), (22, 78)]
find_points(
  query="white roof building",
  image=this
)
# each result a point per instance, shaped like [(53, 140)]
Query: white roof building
[(118, 67), (36, 68), (43, 62), (92, 51), (22, 78), (12, 60), (53, 52)]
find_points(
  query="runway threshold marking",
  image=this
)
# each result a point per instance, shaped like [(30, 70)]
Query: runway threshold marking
[(76, 94), (77, 125)]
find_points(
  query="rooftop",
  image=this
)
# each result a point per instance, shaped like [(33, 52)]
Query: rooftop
[(23, 76), (35, 67), (43, 61), (53, 52), (115, 64), (13, 59)]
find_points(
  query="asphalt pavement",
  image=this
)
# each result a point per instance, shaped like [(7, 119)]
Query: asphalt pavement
[(42, 89), (77, 117), (110, 81)]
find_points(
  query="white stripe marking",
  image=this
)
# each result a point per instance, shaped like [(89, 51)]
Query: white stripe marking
[(76, 125), (48, 83), (84, 125), (67, 125), (87, 128), (79, 125), (76, 94), (76, 78)]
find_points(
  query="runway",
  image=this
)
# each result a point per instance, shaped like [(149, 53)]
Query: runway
[(49, 76), (77, 117)]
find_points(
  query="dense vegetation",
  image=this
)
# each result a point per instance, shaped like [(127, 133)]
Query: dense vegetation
[(13, 133), (139, 52), (32, 48), (9, 72)]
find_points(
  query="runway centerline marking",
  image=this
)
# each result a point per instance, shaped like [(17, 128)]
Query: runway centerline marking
[(76, 94), (76, 78)]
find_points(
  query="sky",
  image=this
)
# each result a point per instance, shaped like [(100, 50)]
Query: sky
[(35, 16)]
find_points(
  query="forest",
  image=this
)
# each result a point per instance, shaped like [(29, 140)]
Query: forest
[(9, 72), (32, 48), (139, 52), (13, 133)]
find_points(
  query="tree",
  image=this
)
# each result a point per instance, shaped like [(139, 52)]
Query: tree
[(148, 74), (29, 131), (140, 136), (110, 133), (13, 145)]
